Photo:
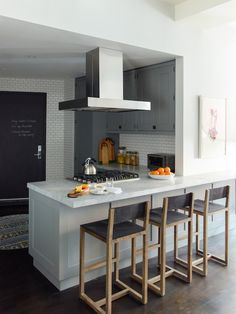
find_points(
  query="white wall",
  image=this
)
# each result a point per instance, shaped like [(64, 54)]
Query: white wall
[(55, 90), (209, 65)]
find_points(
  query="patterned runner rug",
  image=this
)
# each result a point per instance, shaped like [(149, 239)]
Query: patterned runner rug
[(14, 232)]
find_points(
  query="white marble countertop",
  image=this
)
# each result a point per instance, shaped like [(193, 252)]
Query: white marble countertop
[(57, 190)]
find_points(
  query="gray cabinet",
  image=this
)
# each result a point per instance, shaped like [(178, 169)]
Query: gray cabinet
[(155, 83), (80, 87), (114, 122)]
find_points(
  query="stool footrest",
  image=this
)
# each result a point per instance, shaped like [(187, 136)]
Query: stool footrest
[(179, 274), (114, 297), (150, 247), (93, 304), (131, 291), (96, 265), (215, 258), (151, 286), (195, 268)]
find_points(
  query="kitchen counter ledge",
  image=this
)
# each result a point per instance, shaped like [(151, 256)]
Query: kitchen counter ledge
[(57, 190)]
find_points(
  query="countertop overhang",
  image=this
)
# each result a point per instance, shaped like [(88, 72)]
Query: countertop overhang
[(57, 190)]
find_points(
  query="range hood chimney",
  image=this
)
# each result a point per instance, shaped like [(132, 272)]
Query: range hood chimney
[(104, 85)]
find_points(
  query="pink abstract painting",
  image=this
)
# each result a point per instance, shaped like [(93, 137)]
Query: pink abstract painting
[(212, 127)]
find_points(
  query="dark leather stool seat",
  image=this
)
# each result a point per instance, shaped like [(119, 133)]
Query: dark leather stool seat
[(199, 206), (172, 216), (120, 230)]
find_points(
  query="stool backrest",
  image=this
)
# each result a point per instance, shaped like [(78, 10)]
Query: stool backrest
[(125, 213), (218, 193), (130, 212), (180, 201)]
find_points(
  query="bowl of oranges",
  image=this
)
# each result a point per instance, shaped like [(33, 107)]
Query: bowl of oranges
[(161, 173)]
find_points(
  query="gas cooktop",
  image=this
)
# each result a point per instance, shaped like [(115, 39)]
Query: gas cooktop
[(103, 175)]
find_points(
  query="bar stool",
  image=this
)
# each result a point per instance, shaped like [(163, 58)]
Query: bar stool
[(205, 208), (166, 217), (111, 231)]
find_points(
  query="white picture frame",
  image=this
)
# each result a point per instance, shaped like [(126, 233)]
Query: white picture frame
[(212, 127)]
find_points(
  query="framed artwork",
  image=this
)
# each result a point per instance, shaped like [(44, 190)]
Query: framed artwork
[(212, 127)]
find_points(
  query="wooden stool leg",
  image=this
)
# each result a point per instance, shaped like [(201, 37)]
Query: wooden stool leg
[(190, 255), (197, 234), (81, 267), (145, 270), (133, 256), (109, 278), (163, 261), (117, 256), (205, 243), (175, 242), (226, 237), (159, 249)]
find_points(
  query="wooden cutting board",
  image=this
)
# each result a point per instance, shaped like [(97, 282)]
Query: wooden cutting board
[(104, 153), (111, 150)]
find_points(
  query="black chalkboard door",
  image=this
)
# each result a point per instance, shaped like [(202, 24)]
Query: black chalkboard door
[(22, 142)]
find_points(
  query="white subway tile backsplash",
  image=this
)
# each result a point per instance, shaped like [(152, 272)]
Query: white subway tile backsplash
[(148, 143)]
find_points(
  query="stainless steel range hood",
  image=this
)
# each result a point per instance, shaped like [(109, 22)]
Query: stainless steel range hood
[(104, 85)]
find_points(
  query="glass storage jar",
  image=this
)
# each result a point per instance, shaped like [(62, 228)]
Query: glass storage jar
[(134, 158), (121, 155), (127, 158)]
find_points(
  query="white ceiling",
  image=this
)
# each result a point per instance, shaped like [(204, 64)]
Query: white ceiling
[(174, 1), (35, 51)]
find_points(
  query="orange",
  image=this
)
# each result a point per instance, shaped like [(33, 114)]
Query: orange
[(154, 172), (161, 171), (167, 169), (167, 173)]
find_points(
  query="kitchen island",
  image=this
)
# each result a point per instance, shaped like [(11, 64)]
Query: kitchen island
[(55, 219)]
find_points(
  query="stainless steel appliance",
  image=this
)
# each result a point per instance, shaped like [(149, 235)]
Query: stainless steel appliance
[(104, 85), (103, 175), (155, 161)]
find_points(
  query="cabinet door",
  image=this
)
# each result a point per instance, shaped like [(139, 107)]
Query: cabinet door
[(114, 121), (80, 87), (147, 82), (165, 114), (131, 92), (130, 85), (157, 85)]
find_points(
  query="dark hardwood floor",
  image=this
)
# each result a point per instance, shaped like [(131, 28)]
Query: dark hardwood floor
[(24, 290)]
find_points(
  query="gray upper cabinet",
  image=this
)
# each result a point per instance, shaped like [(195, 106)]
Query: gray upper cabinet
[(114, 121), (80, 87), (155, 83)]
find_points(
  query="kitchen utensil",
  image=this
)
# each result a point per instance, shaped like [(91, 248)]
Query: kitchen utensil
[(89, 167), (105, 153)]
